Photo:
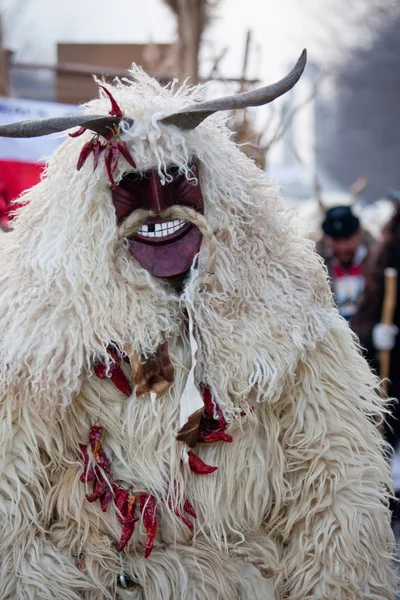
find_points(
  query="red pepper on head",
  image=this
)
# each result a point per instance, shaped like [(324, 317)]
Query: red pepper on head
[(107, 160), (115, 109), (86, 151), (125, 153), (98, 148), (78, 132), (198, 466), (114, 156)]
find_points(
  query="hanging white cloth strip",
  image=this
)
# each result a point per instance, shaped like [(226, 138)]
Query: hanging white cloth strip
[(191, 402)]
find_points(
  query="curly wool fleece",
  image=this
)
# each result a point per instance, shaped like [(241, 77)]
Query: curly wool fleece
[(302, 489)]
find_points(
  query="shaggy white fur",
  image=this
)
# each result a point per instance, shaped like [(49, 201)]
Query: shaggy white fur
[(303, 487)]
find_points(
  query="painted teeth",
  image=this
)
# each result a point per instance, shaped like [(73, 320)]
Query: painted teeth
[(161, 229)]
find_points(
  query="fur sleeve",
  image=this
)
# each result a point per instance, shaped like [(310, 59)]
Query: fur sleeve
[(336, 522), (29, 562)]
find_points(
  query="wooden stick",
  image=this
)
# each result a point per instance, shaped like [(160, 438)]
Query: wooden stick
[(388, 309)]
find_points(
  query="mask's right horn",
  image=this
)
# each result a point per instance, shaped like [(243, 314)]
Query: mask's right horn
[(191, 117)]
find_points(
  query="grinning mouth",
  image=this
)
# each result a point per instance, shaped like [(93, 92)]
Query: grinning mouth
[(161, 230)]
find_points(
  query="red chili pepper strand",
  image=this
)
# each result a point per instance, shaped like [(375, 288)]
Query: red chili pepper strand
[(120, 381), (214, 436), (106, 498), (148, 510), (127, 532), (210, 409), (198, 466), (117, 376), (181, 516), (115, 109), (87, 149), (99, 489), (114, 155), (129, 523), (101, 458), (95, 433), (101, 370), (188, 507), (97, 149), (107, 160), (88, 474), (122, 147), (186, 521), (78, 132), (121, 502)]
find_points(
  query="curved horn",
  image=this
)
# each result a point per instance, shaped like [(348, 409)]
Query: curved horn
[(194, 115), (37, 127)]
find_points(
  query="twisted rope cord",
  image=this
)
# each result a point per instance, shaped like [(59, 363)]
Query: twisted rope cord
[(246, 555)]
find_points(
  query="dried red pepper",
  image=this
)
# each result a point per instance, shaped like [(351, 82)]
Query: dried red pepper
[(115, 109), (211, 409), (86, 151), (208, 437), (107, 160), (95, 433), (106, 498), (88, 474), (122, 147), (148, 506), (121, 502), (120, 381), (188, 507), (185, 521), (116, 373), (78, 132), (114, 156), (198, 466), (129, 522), (97, 149), (99, 488)]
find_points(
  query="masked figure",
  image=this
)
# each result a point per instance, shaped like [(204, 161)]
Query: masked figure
[(184, 415)]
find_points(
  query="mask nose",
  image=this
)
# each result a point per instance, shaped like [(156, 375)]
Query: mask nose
[(155, 196)]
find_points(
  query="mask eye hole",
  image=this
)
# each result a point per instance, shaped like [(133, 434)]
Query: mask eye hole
[(173, 170), (133, 177)]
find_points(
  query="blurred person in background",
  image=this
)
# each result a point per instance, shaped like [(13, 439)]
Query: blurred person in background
[(345, 248), (374, 335)]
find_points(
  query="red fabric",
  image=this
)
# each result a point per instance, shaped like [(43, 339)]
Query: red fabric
[(15, 177), (352, 271)]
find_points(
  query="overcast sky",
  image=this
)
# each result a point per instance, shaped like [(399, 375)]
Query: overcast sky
[(281, 28)]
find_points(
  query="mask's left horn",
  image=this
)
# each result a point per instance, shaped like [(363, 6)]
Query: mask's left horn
[(26, 129)]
